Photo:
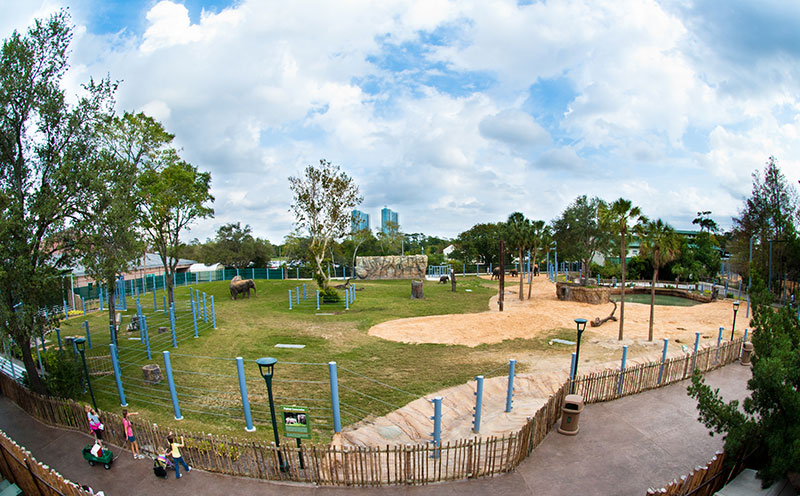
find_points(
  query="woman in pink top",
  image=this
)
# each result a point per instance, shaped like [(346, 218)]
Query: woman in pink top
[(126, 423)]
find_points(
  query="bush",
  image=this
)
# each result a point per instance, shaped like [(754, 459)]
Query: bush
[(329, 295), (64, 374)]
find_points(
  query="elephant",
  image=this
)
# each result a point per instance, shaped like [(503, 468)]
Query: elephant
[(242, 286), (496, 273)]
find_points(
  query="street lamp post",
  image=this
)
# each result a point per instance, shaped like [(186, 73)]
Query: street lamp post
[(735, 309), (266, 366), (80, 343), (581, 326)]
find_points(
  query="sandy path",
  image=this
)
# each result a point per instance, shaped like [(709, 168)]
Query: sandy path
[(544, 312)]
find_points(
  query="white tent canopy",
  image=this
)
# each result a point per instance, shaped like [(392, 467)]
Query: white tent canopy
[(207, 272)]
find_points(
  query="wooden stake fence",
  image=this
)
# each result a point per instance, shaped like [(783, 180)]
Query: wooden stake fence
[(374, 465), (702, 481)]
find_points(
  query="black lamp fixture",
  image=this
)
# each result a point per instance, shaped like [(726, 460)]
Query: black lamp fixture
[(266, 367), (80, 343), (581, 326), (735, 309)]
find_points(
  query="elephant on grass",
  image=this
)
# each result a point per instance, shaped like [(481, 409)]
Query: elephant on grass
[(242, 286)]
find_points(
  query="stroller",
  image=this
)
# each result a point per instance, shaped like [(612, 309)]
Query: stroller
[(160, 465)]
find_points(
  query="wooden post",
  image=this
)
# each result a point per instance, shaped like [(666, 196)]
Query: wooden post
[(452, 280), (502, 288)]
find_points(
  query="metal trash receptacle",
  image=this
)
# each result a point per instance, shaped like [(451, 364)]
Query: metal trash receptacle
[(570, 413), (747, 353)]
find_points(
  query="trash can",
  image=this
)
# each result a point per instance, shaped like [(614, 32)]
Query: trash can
[(570, 413), (747, 353)]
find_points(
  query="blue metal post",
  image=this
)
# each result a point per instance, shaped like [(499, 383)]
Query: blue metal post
[(117, 375), (290, 299), (346, 301), (510, 390), (437, 424), (476, 421), (696, 346), (146, 336), (171, 382), (318, 299), (164, 304), (297, 293), (66, 312), (213, 313), (745, 335), (719, 343), (194, 321), (205, 309), (297, 273), (572, 368), (58, 336), (622, 369), (663, 359), (155, 303), (304, 291), (172, 324), (334, 380), (100, 296), (248, 419), (83, 305), (113, 332), (88, 336)]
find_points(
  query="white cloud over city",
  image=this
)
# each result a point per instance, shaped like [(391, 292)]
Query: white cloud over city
[(457, 112)]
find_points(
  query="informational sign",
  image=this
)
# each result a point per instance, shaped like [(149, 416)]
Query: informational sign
[(295, 422)]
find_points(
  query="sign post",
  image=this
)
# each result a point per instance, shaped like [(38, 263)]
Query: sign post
[(296, 425)]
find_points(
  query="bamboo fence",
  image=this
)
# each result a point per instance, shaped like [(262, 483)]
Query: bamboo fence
[(21, 468), (702, 481), (376, 465)]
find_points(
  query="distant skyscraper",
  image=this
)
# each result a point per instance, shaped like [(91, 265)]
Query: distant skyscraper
[(360, 220), (388, 215)]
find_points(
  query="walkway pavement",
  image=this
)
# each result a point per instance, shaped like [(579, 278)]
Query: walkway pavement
[(623, 448)]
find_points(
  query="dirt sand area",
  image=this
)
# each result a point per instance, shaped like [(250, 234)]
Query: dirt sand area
[(544, 312)]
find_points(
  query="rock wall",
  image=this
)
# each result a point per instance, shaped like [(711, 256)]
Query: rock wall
[(575, 292), (392, 267)]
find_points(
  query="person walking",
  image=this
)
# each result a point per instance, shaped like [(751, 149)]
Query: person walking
[(94, 422), (176, 455), (126, 423)]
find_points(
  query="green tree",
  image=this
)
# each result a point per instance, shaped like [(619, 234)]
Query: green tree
[(770, 422), (705, 221), (769, 214), (174, 194), (579, 233), (357, 239), (323, 200), (616, 219), (108, 235), (47, 150), (235, 246), (661, 245), (391, 239), (518, 235), (539, 243), (699, 258), (479, 244)]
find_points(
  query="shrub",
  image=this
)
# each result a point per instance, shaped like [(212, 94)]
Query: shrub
[(329, 295), (64, 374)]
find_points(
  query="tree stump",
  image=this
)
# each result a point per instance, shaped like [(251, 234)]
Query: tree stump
[(152, 373), (416, 290), (452, 280), (162, 330)]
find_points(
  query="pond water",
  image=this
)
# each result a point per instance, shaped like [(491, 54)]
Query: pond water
[(673, 301)]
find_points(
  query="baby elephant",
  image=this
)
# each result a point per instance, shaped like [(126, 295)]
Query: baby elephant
[(242, 286), (444, 279)]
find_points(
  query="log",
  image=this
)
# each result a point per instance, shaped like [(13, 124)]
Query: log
[(597, 322), (416, 290), (152, 373)]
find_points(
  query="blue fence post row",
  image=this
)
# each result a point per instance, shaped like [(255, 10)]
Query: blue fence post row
[(88, 336), (168, 367), (622, 369), (476, 421), (663, 359), (510, 390), (437, 425), (117, 375), (334, 381), (213, 313), (248, 419)]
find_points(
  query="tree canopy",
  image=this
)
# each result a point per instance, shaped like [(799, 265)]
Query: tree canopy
[(579, 233)]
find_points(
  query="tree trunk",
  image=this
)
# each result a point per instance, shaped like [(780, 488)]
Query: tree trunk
[(521, 279), (502, 281), (623, 252), (653, 298), (453, 280), (530, 282), (34, 380), (416, 290)]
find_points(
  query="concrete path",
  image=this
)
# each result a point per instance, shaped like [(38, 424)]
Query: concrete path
[(623, 447)]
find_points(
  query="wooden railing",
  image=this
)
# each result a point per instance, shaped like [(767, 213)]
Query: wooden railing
[(377, 465)]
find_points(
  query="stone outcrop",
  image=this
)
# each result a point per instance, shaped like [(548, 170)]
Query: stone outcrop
[(575, 292), (392, 267)]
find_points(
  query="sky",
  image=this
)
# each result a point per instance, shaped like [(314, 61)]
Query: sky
[(453, 113)]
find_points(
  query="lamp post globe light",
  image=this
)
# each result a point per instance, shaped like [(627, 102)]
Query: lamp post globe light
[(80, 343), (581, 326), (735, 309), (266, 366)]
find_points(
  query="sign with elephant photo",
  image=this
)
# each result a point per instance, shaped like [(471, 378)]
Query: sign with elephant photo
[(295, 422)]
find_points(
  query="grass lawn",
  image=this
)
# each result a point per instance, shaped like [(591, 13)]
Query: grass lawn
[(375, 376)]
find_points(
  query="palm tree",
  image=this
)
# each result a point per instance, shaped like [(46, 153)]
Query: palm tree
[(616, 218), (518, 230), (662, 245)]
